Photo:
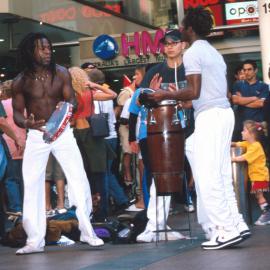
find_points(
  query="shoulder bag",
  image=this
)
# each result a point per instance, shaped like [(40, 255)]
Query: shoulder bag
[(99, 125)]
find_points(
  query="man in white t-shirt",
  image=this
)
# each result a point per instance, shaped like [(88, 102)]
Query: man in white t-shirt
[(208, 148)]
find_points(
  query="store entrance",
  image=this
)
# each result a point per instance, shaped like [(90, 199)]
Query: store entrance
[(115, 76)]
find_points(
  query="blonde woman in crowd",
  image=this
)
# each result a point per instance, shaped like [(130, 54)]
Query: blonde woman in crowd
[(94, 150)]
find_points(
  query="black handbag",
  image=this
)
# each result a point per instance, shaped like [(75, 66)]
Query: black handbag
[(99, 124)]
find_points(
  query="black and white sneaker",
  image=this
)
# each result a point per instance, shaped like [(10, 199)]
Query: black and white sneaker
[(223, 239), (243, 230)]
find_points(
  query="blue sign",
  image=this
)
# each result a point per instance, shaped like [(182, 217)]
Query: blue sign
[(105, 47)]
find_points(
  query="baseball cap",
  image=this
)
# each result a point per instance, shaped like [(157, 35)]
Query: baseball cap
[(173, 34), (88, 65)]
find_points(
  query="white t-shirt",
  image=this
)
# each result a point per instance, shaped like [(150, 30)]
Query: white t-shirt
[(202, 58), (125, 111), (107, 107)]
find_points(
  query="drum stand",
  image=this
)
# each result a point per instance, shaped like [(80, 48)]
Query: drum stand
[(165, 229)]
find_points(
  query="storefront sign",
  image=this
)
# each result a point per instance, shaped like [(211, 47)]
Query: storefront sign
[(242, 12), (264, 22), (134, 48), (72, 12), (142, 43)]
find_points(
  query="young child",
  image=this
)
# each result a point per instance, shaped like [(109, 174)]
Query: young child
[(257, 170)]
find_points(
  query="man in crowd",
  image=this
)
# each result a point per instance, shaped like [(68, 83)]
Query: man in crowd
[(208, 148), (39, 88), (249, 94), (164, 73)]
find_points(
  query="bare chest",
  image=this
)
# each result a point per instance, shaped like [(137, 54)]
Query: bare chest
[(43, 88)]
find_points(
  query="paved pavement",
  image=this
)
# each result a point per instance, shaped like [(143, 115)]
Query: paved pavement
[(253, 254)]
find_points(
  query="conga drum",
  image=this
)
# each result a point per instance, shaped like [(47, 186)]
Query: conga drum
[(165, 142)]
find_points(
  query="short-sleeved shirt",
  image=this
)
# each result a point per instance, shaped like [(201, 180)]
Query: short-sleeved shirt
[(125, 111), (124, 95), (2, 113), (2, 110), (20, 132), (167, 74), (255, 157), (139, 110), (258, 89), (202, 58)]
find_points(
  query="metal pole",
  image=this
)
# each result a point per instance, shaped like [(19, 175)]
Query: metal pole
[(180, 10), (264, 22)]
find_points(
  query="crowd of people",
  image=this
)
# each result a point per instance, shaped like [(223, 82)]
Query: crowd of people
[(80, 165)]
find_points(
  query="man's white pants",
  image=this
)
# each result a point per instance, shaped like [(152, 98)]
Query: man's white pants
[(155, 211), (208, 152), (35, 159)]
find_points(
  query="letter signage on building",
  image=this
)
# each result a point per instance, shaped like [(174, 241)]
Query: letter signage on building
[(241, 12), (123, 49)]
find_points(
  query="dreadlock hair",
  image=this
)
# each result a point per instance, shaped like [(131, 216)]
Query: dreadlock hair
[(25, 57), (199, 19)]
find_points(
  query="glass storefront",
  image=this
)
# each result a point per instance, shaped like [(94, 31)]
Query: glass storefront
[(159, 13), (66, 21)]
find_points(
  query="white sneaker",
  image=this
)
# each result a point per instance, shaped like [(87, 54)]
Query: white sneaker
[(146, 237), (223, 239), (93, 241), (189, 208), (133, 208), (209, 232), (243, 230), (171, 236), (65, 241), (28, 249), (149, 236)]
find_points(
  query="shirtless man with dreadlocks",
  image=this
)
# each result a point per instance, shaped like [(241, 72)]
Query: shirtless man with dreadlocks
[(38, 89)]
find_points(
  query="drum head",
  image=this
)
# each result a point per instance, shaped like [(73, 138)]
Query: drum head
[(57, 121), (144, 100)]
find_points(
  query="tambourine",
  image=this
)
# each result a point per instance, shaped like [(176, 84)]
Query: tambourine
[(144, 99), (57, 122)]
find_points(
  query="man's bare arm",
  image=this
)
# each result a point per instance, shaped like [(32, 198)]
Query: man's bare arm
[(18, 102), (238, 99), (256, 104)]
